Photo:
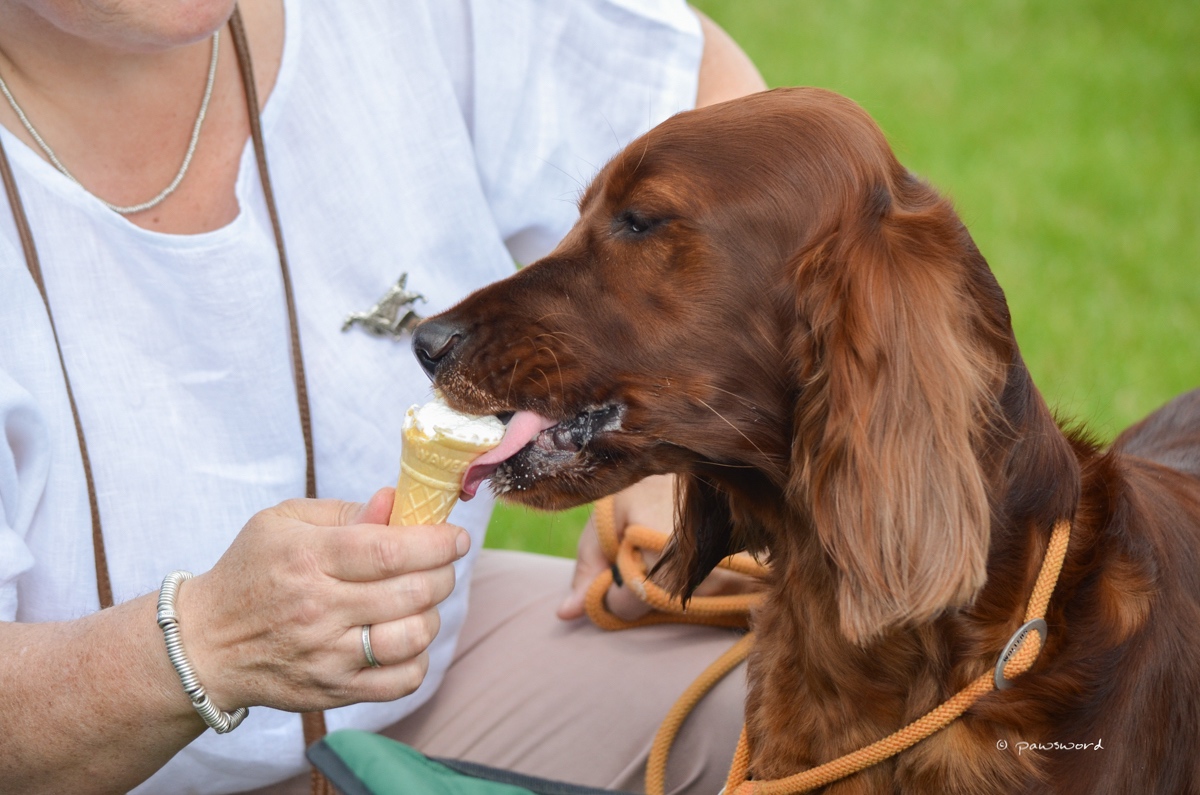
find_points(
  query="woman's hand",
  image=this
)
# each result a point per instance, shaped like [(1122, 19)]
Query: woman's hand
[(651, 503), (278, 620)]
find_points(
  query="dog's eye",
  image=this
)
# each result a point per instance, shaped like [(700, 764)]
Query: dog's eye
[(634, 222)]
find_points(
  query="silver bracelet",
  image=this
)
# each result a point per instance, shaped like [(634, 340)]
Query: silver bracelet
[(168, 620)]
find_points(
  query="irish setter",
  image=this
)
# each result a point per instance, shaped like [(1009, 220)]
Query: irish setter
[(759, 297)]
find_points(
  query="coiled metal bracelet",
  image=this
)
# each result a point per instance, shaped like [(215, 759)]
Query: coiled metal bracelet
[(168, 620)]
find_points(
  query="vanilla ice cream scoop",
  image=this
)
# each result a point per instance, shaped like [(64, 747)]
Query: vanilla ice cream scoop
[(438, 446)]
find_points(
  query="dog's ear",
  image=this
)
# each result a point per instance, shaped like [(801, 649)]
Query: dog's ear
[(894, 388), (703, 536)]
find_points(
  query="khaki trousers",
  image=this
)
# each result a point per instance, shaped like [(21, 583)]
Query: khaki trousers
[(565, 700)]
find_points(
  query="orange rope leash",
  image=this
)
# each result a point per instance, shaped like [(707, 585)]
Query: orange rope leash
[(938, 718), (668, 730), (723, 611)]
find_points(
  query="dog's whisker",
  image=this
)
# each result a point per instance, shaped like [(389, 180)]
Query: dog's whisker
[(581, 183), (563, 334), (511, 378), (549, 395), (729, 466), (745, 402), (645, 149), (736, 428), (570, 315), (562, 384)]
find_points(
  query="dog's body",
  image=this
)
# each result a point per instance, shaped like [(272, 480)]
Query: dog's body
[(758, 297)]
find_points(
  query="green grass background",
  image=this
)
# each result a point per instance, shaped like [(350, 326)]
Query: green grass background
[(1067, 134)]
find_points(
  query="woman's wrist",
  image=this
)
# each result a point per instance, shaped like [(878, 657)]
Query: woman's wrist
[(168, 622)]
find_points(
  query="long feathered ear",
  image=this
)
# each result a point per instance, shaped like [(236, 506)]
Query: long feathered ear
[(702, 539), (894, 389)]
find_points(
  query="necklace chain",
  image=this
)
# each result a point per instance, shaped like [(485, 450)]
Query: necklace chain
[(187, 158)]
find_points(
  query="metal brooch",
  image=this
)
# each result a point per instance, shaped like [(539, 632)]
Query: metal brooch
[(392, 315)]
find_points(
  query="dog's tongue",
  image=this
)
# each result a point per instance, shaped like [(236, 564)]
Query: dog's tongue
[(523, 426)]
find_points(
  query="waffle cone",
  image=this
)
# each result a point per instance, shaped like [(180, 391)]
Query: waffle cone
[(431, 473)]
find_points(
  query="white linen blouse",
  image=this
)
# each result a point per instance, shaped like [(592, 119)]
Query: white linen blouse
[(437, 138)]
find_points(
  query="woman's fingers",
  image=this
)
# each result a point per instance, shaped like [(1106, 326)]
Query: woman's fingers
[(390, 682), (398, 597), (372, 552), (649, 502), (589, 562), (400, 648), (337, 513), (394, 642)]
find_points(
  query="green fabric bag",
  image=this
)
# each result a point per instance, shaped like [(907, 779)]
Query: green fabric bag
[(363, 763)]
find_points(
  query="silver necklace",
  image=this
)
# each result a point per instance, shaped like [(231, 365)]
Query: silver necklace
[(187, 158)]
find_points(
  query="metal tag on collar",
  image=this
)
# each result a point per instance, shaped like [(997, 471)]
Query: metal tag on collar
[(1036, 625), (392, 315)]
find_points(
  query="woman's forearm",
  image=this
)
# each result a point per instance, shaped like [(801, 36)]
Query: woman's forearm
[(91, 705)]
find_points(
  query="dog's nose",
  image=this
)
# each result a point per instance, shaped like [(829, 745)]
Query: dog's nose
[(432, 342)]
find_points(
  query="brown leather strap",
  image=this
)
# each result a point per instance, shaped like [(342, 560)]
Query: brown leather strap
[(314, 730), (103, 583), (242, 46), (313, 723)]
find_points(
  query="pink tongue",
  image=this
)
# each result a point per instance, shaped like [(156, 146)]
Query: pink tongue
[(523, 426)]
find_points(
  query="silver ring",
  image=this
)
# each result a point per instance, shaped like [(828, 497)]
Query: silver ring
[(366, 641)]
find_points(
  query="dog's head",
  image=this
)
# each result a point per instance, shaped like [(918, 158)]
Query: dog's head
[(759, 297)]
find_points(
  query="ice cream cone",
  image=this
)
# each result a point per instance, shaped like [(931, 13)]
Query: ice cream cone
[(433, 458)]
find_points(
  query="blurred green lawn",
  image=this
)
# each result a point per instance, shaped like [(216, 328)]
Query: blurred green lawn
[(1068, 135)]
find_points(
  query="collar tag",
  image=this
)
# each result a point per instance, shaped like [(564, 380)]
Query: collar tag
[(1037, 625)]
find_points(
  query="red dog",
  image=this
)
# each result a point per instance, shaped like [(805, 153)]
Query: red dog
[(759, 297)]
